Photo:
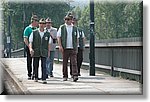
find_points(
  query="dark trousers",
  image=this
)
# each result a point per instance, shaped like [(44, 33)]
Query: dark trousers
[(79, 60), (29, 62), (69, 53), (36, 66)]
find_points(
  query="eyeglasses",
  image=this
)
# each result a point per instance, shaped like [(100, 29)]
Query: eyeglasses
[(42, 23), (68, 19), (35, 20), (48, 22)]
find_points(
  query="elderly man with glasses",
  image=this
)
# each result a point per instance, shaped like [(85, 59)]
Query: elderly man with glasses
[(67, 36), (39, 49)]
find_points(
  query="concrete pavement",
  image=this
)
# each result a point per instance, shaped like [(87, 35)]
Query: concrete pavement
[(100, 84)]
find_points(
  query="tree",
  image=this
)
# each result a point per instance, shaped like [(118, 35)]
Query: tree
[(84, 21), (114, 20), (21, 11)]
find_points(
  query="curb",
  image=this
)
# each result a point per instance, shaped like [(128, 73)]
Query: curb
[(8, 75)]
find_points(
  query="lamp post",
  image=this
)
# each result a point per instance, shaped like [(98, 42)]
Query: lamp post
[(9, 38), (92, 40), (24, 18)]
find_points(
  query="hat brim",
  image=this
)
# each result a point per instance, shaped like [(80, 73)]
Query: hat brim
[(41, 22), (68, 18), (34, 20)]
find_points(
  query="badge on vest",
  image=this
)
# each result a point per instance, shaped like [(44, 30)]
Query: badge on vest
[(75, 33), (80, 33), (46, 38)]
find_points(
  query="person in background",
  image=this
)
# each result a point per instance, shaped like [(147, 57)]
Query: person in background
[(81, 46), (67, 42), (53, 38), (39, 49), (27, 32)]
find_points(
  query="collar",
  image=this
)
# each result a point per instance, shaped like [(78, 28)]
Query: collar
[(69, 25), (40, 31), (30, 26), (46, 29)]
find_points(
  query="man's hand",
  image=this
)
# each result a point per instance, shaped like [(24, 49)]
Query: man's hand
[(48, 54), (31, 52), (61, 49)]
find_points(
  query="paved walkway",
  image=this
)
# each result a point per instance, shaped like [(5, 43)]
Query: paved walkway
[(100, 84)]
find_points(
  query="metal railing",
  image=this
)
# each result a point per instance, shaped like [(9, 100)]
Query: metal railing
[(119, 57)]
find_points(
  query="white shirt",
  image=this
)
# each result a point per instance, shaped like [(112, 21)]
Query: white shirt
[(69, 35), (53, 33), (50, 40), (41, 34)]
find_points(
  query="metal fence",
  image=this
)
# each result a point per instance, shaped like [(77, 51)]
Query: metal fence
[(119, 57)]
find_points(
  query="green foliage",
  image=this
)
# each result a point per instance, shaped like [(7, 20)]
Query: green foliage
[(114, 20), (84, 21), (56, 11)]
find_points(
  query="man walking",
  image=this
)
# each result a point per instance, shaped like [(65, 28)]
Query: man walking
[(81, 46), (39, 48), (28, 30), (67, 41), (53, 38)]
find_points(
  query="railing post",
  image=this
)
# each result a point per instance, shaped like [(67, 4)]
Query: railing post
[(58, 55), (112, 62)]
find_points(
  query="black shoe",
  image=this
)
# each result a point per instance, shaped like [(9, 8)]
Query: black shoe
[(29, 78), (51, 76), (44, 82), (39, 78), (75, 78), (36, 80), (33, 77)]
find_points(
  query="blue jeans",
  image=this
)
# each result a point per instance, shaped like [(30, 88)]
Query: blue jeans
[(49, 63)]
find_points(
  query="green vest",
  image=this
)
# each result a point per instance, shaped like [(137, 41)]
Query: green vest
[(81, 45), (40, 46), (64, 36)]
